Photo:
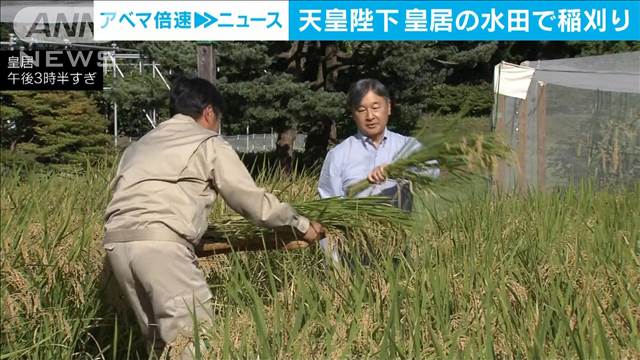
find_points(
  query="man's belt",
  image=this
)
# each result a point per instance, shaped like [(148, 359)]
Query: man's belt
[(145, 234)]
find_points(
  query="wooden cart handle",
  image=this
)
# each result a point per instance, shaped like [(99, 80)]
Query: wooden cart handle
[(282, 239)]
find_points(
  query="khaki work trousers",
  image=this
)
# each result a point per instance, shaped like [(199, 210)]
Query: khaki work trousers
[(161, 282)]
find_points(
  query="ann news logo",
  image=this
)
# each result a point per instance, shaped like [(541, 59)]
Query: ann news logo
[(55, 24)]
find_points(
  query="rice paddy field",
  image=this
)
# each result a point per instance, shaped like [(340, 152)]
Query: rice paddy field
[(480, 275)]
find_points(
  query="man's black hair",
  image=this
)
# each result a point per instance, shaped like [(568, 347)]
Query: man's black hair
[(360, 88), (190, 96)]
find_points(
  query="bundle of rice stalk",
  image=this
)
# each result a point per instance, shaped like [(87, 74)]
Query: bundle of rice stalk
[(341, 217), (457, 158)]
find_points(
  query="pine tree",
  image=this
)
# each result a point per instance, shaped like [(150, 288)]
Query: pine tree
[(67, 128), (15, 126), (263, 93), (134, 95)]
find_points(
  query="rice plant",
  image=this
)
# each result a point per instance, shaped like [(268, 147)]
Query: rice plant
[(550, 275), (459, 158)]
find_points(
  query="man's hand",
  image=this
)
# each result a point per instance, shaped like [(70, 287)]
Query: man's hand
[(314, 233), (376, 176)]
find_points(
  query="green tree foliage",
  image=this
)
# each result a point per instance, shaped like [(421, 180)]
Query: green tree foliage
[(136, 96), (138, 91), (410, 70), (262, 81), (264, 93), (289, 87), (463, 99), (173, 56), (276, 101), (67, 127), (518, 51), (15, 126), (243, 61)]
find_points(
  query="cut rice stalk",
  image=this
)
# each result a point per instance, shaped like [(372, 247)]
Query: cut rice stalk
[(457, 160), (337, 215)]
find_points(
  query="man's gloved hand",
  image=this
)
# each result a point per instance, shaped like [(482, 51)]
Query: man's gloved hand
[(314, 233)]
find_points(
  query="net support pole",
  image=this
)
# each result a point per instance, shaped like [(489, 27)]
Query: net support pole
[(542, 130), (496, 176), (498, 123), (522, 145)]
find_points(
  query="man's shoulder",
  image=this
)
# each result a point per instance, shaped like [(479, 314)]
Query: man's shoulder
[(347, 142), (398, 136), (178, 125), (344, 145), (403, 140), (218, 141)]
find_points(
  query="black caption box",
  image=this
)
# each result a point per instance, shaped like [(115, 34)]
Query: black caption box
[(51, 70)]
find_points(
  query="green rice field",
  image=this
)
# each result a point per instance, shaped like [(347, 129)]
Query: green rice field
[(481, 275)]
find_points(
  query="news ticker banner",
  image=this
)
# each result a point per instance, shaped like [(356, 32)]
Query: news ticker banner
[(366, 20)]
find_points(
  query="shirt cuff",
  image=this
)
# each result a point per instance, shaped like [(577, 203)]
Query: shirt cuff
[(301, 224)]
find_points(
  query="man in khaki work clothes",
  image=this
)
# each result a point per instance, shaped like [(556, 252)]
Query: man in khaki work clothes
[(162, 195)]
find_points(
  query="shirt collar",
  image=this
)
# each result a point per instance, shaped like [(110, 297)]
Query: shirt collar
[(366, 140), (183, 119)]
